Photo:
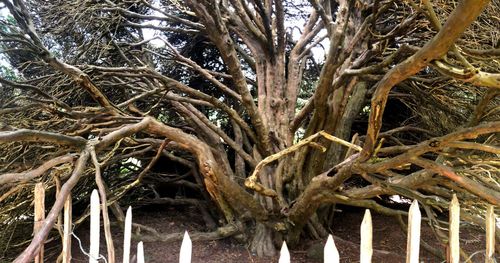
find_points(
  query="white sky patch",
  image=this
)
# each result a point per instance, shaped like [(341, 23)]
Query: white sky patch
[(4, 12), (133, 161), (295, 27), (150, 33), (320, 49), (398, 199)]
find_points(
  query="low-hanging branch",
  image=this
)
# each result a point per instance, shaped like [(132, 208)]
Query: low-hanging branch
[(9, 178), (478, 189), (25, 135)]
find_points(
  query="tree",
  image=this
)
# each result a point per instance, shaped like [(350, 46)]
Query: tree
[(235, 93)]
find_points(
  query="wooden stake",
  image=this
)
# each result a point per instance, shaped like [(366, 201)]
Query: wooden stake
[(186, 249), (127, 233), (66, 250), (94, 227), (330, 252), (39, 216), (413, 242), (140, 253), (490, 235), (453, 240), (366, 252), (284, 254)]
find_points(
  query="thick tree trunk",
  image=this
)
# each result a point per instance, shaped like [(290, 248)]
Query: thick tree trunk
[(255, 105), (262, 242)]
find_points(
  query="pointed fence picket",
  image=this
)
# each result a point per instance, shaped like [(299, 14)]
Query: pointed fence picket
[(366, 249), (490, 234), (186, 249), (66, 250), (39, 216), (453, 239), (127, 233), (331, 254), (140, 253), (413, 241), (94, 227), (284, 254), (95, 214)]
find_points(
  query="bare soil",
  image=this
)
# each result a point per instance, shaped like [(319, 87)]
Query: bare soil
[(388, 239)]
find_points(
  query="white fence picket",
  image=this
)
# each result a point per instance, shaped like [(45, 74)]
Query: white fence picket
[(413, 242), (366, 250), (127, 233), (140, 253), (330, 252), (453, 240), (186, 249), (94, 227), (284, 254), (490, 235)]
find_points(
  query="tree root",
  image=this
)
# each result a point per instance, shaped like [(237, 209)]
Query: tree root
[(219, 233)]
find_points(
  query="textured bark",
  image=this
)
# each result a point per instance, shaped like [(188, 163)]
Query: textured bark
[(30, 252), (463, 15), (221, 97)]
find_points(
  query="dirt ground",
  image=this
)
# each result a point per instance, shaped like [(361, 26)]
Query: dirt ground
[(389, 241)]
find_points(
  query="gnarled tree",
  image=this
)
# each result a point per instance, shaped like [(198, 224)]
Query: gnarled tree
[(272, 111)]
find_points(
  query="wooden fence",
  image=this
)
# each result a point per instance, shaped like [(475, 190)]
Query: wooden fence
[(331, 253)]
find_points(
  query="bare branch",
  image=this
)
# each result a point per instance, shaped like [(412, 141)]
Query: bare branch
[(32, 174), (26, 135), (30, 252), (463, 15)]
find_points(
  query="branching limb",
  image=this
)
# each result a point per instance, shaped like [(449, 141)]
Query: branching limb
[(437, 25), (21, 14), (431, 145), (169, 82), (205, 73), (475, 77), (104, 206), (26, 135), (29, 175), (220, 36), (29, 253), (487, 194), (251, 181), (463, 15)]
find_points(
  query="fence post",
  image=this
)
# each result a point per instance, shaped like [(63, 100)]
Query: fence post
[(366, 252), (127, 233), (67, 228), (186, 249), (39, 216), (330, 252), (490, 234), (140, 253), (453, 240), (284, 254), (94, 227), (413, 242)]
